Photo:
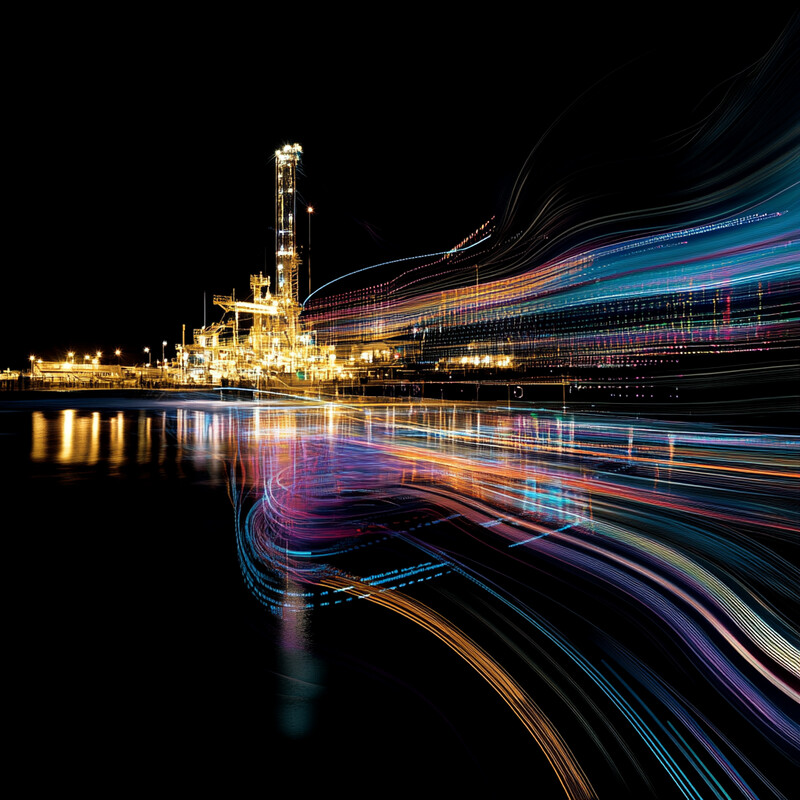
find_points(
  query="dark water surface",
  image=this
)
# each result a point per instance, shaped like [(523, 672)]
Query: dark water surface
[(624, 587)]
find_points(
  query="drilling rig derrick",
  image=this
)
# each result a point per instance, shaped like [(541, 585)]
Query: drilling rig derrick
[(263, 338), (287, 261)]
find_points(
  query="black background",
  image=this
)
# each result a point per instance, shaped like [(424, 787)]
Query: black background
[(141, 171)]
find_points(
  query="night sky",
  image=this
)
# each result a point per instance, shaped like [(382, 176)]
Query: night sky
[(142, 170)]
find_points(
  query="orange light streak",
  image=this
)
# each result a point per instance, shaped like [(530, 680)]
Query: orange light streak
[(570, 775)]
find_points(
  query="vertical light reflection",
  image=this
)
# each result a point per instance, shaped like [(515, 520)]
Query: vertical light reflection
[(182, 431), (162, 439), (300, 671), (116, 450), (39, 437), (144, 437), (67, 435), (92, 442)]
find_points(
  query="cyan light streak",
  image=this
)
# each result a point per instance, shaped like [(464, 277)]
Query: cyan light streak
[(689, 522), (394, 261), (726, 285), (640, 572)]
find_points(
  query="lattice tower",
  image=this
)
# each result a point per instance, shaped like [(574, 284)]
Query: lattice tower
[(286, 259)]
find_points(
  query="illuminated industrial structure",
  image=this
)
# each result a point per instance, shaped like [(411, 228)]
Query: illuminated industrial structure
[(262, 339), (287, 261), (610, 316)]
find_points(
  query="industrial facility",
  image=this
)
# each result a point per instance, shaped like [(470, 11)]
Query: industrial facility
[(613, 319), (258, 342), (262, 339)]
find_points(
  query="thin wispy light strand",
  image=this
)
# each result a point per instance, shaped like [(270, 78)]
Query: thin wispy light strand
[(671, 520)]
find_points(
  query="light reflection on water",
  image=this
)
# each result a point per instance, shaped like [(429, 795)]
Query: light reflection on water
[(80, 437), (300, 674), (608, 549)]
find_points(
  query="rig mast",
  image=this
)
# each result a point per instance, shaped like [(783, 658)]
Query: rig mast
[(286, 259), (262, 340)]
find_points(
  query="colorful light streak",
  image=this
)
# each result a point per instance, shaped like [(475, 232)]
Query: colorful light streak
[(720, 287), (452, 250), (627, 586), (672, 523), (712, 271)]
